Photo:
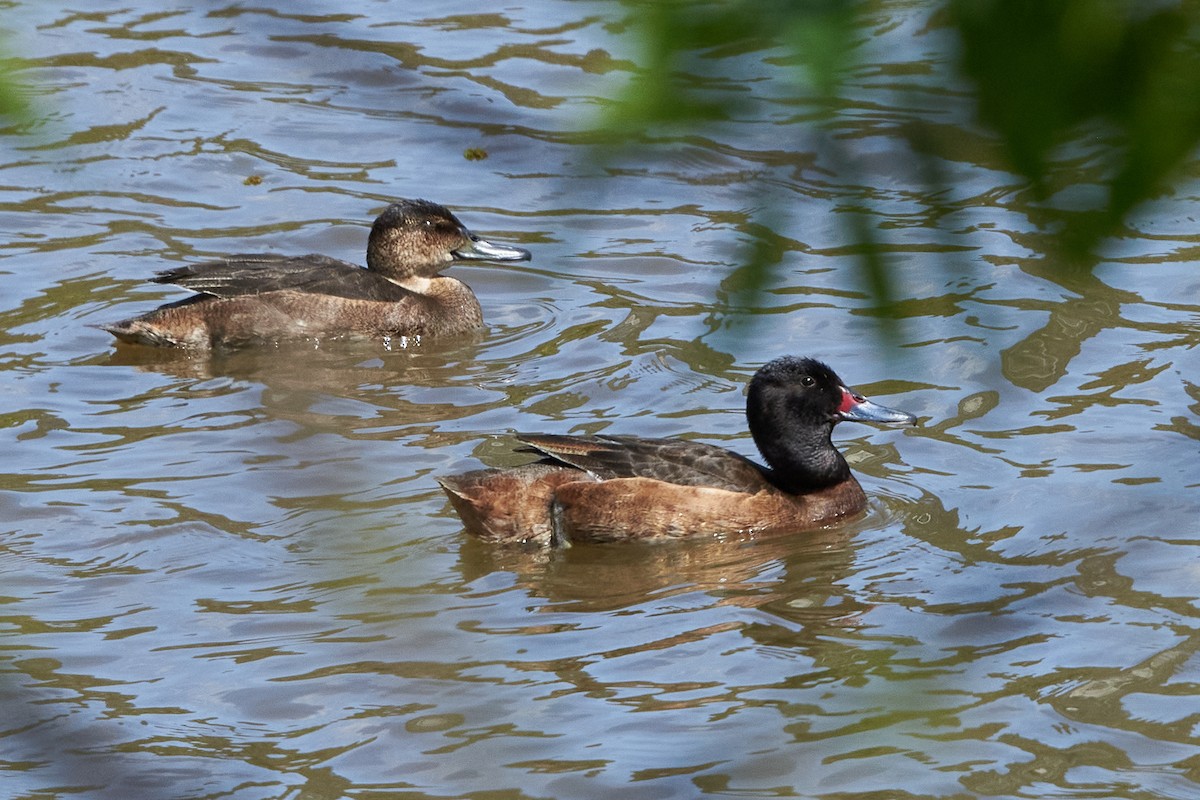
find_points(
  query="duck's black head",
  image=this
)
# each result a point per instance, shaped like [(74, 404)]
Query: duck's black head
[(792, 406), (419, 238)]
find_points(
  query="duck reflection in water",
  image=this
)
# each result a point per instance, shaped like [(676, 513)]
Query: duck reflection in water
[(616, 488)]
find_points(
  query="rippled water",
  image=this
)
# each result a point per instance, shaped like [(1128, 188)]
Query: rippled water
[(235, 577)]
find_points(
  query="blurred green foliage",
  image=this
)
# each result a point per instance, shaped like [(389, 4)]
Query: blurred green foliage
[(684, 43), (1047, 73), (1045, 80), (13, 105)]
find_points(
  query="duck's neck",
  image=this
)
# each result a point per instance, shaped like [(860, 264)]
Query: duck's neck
[(415, 283), (801, 456)]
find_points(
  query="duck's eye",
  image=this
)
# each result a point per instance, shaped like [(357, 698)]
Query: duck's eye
[(808, 380)]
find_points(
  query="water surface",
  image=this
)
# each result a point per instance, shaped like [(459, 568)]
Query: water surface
[(235, 576)]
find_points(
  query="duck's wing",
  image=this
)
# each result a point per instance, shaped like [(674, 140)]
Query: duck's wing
[(674, 461), (257, 273)]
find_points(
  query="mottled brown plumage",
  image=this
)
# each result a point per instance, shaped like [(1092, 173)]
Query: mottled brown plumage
[(614, 488), (258, 298)]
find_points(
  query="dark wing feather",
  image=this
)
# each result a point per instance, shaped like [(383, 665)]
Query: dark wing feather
[(258, 273), (674, 461)]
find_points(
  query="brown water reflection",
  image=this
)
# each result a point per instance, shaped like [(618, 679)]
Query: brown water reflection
[(234, 576), (625, 576)]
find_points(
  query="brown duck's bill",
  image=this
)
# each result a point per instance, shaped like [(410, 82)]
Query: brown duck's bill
[(857, 408), (481, 250)]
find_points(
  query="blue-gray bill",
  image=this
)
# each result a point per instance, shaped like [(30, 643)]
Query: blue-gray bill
[(857, 408), (481, 249)]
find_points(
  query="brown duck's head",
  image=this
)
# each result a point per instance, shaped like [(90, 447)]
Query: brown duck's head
[(419, 238)]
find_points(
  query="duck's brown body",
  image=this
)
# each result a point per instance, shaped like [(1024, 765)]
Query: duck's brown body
[(250, 299), (445, 307), (548, 504), (616, 488), (616, 510)]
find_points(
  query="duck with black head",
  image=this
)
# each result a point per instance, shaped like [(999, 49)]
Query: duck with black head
[(617, 488), (253, 299)]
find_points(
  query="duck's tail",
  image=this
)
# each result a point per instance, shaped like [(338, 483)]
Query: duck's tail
[(510, 506)]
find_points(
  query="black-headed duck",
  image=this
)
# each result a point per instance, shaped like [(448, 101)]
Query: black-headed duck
[(248, 299), (615, 488)]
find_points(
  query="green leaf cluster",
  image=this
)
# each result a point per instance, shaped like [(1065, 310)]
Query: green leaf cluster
[(1117, 79)]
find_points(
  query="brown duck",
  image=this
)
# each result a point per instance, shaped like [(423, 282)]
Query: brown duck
[(616, 488), (252, 299)]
